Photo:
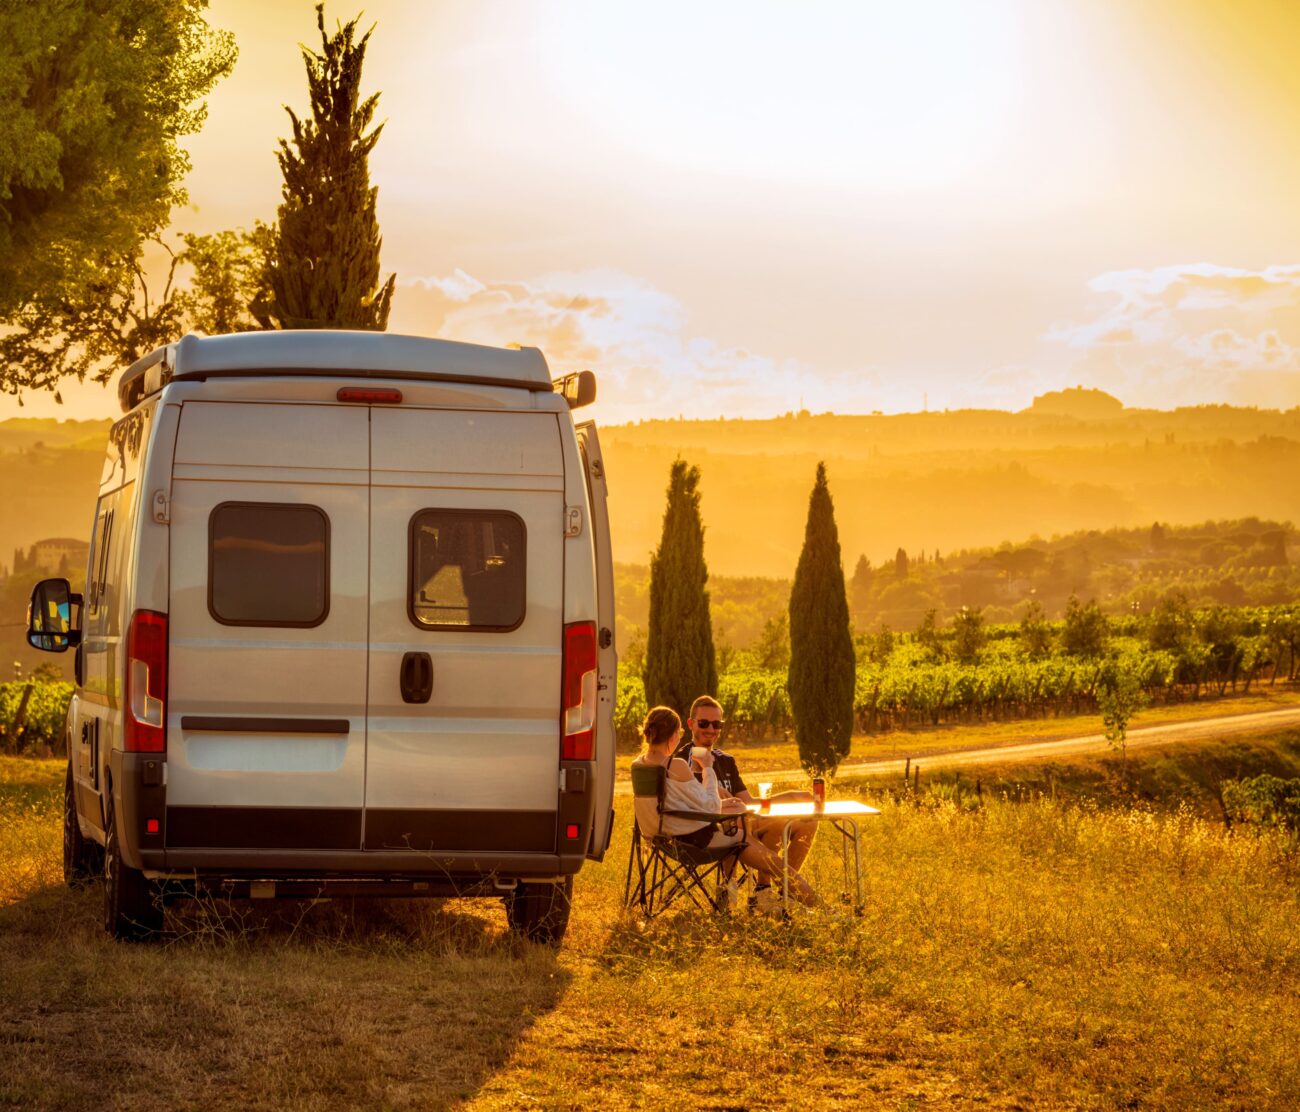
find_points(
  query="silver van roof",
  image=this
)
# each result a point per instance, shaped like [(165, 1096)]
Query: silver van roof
[(331, 352)]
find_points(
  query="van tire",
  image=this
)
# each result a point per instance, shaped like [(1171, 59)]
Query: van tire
[(540, 912), (132, 905), (81, 860)]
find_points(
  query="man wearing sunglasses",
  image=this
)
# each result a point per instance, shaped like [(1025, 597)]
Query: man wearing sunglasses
[(705, 722)]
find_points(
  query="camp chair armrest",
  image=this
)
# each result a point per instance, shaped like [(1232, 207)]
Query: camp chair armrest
[(704, 816)]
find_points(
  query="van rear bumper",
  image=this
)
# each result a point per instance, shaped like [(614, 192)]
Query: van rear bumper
[(376, 865)]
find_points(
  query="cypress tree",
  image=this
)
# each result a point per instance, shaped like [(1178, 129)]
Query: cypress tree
[(679, 660), (821, 646), (324, 269)]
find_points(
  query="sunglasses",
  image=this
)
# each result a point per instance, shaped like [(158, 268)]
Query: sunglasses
[(709, 724)]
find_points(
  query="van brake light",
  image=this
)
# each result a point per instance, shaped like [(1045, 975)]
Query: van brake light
[(579, 713), (146, 683), (370, 395)]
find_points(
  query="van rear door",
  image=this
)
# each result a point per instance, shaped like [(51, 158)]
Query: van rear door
[(267, 627), (607, 655), (466, 616)]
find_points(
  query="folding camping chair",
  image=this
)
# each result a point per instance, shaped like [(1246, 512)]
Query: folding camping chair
[(662, 870)]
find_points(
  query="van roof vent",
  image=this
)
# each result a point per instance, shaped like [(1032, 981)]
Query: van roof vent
[(331, 353)]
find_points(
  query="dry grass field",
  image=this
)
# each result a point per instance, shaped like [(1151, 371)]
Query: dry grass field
[(1035, 954)]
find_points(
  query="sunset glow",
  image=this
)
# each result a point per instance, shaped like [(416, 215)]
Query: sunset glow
[(768, 207)]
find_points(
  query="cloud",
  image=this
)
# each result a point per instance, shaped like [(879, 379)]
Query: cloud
[(1227, 350), (633, 335), (1192, 334), (1176, 335)]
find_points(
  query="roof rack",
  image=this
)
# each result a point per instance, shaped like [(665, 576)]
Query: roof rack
[(341, 353)]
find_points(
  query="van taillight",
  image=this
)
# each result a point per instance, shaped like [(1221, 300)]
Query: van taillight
[(146, 683), (579, 716)]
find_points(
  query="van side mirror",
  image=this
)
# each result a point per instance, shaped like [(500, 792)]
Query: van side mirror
[(50, 625), (579, 389)]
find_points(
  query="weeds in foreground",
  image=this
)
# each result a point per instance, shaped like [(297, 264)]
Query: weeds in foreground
[(1039, 953)]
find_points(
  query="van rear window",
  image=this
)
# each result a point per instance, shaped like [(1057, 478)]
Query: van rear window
[(467, 570), (268, 564)]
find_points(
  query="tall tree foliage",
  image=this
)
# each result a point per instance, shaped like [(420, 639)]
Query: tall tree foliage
[(97, 95), (861, 589), (1085, 630), (324, 270), (1035, 630), (968, 634), (822, 667), (679, 662), (228, 281)]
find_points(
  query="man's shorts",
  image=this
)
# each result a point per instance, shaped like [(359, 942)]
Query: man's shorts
[(727, 834)]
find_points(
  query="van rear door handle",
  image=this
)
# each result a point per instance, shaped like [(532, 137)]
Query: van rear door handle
[(417, 677)]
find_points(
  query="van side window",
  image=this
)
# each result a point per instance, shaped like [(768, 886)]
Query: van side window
[(95, 589), (467, 570), (268, 564)]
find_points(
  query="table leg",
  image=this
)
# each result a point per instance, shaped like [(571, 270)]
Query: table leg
[(844, 864), (785, 864), (850, 831)]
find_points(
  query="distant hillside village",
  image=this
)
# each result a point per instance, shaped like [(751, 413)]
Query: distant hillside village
[(1079, 402), (65, 556)]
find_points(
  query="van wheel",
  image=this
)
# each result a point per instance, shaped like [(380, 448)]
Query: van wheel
[(540, 912), (81, 859), (132, 909)]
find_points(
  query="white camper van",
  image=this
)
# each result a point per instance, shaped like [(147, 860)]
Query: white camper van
[(348, 627)]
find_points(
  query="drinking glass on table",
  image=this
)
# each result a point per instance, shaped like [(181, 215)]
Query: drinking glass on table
[(765, 798)]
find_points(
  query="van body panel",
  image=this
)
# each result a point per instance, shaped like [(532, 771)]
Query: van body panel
[(463, 870), (422, 479), (321, 390), (475, 766), (433, 442), (313, 350), (240, 434), (579, 554), (209, 472), (578, 802), (607, 652), (95, 718), (151, 586), (268, 670)]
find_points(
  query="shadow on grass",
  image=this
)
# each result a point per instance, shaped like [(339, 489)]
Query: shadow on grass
[(375, 1003)]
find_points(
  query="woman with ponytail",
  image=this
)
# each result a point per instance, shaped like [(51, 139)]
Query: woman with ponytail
[(660, 733)]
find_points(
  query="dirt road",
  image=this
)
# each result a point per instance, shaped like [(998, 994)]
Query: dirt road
[(1142, 738)]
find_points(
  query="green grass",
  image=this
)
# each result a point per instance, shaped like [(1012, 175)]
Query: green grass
[(1046, 954)]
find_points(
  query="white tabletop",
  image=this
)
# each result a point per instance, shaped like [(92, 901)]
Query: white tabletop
[(834, 808)]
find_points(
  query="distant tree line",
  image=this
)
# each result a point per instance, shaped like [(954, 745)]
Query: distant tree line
[(1225, 563)]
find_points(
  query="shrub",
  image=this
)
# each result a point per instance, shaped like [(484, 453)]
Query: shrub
[(1263, 801), (47, 708)]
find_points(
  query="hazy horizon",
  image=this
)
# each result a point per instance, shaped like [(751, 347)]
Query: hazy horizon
[(111, 411), (961, 479)]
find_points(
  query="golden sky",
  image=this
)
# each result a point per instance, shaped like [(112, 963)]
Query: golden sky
[(749, 208)]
